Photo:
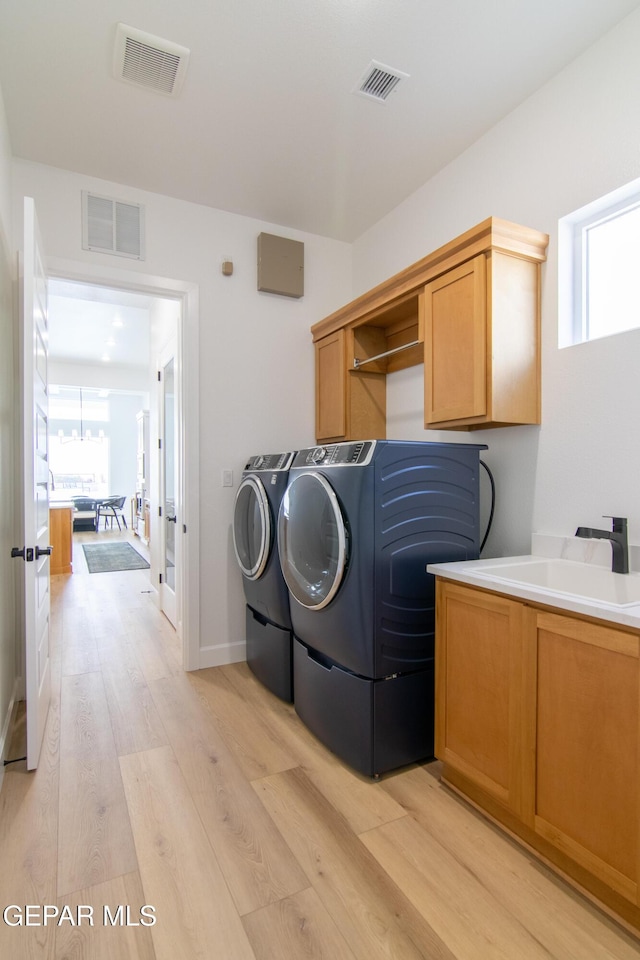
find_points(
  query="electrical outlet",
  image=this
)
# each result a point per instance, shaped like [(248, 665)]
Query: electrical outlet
[(227, 478)]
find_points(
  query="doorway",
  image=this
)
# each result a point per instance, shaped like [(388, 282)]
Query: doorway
[(169, 477), (117, 352)]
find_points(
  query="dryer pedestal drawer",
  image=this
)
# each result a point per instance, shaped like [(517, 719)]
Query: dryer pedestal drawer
[(373, 725), (269, 654)]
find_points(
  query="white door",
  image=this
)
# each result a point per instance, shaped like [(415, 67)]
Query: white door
[(35, 550), (170, 489)]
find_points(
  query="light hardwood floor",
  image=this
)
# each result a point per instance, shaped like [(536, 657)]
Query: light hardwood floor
[(204, 797)]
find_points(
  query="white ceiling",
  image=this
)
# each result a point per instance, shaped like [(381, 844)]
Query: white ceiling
[(95, 325), (266, 124)]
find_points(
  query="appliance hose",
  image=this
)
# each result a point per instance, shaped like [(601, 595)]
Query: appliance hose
[(493, 504)]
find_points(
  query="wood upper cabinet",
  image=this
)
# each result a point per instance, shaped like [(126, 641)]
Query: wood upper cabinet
[(350, 404), (482, 344), (538, 722), (331, 417), (456, 344), (470, 311)]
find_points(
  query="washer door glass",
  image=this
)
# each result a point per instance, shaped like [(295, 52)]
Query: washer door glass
[(252, 527), (312, 540)]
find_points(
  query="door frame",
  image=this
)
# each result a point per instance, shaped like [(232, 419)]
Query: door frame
[(34, 414), (168, 352), (188, 348)]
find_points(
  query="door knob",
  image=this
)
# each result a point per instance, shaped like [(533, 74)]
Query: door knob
[(172, 519), (43, 552), (25, 552)]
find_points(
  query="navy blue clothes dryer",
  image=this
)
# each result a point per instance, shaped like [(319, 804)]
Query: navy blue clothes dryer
[(357, 526)]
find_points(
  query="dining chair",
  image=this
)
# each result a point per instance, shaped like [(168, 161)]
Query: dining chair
[(112, 508)]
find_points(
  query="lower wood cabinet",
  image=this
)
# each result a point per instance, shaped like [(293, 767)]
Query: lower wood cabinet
[(481, 694), (61, 537), (538, 723), (587, 746)]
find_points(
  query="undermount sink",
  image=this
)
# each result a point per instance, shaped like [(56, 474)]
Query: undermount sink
[(570, 578)]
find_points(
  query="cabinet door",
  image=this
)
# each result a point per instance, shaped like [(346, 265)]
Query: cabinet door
[(61, 534), (587, 794), (455, 368), (482, 693), (331, 419)]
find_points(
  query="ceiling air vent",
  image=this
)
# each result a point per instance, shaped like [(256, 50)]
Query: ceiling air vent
[(149, 61), (112, 226), (379, 81)]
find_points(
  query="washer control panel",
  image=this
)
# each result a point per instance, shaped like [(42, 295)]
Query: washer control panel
[(270, 461)]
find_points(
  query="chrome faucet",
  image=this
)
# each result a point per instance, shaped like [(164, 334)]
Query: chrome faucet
[(619, 542)]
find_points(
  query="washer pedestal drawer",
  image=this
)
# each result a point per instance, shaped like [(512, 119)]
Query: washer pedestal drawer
[(373, 725), (269, 654)]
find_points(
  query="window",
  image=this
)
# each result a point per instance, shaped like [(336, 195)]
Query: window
[(78, 448), (599, 268)]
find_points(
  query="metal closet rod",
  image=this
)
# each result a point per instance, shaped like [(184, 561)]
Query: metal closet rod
[(380, 356)]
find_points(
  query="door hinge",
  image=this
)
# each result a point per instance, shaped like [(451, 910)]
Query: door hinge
[(159, 578), (159, 376), (159, 443), (184, 528), (159, 511)]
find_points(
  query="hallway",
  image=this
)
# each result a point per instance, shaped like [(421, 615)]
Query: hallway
[(204, 798)]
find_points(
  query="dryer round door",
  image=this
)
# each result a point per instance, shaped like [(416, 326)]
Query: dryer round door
[(252, 528), (312, 540)]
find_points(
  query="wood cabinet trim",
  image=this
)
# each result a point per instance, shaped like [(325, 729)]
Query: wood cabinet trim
[(547, 608), (491, 234), (609, 638), (567, 845)]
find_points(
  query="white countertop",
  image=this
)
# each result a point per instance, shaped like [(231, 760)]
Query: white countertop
[(485, 574)]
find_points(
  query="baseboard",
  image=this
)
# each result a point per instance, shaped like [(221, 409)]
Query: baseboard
[(6, 729), (219, 655)]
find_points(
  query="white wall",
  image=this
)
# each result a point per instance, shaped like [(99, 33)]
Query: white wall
[(8, 426), (123, 434), (256, 358), (574, 140), (130, 379)]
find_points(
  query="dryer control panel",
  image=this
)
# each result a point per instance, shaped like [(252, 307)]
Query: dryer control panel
[(356, 454)]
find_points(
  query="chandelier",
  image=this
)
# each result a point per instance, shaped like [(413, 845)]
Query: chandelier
[(81, 436)]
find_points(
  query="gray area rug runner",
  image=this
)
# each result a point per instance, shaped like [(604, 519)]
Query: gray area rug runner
[(111, 557)]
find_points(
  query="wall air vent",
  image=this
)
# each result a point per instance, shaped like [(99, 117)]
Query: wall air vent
[(149, 61), (112, 226), (379, 81)]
